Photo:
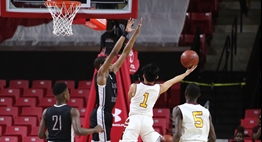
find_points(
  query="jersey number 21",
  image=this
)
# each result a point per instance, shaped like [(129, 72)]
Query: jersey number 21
[(57, 122)]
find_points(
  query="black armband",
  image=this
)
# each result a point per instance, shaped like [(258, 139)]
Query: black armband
[(125, 34)]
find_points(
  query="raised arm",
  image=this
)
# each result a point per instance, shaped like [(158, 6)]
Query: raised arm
[(42, 128), (108, 62), (128, 47), (177, 116), (75, 118), (212, 134), (166, 85)]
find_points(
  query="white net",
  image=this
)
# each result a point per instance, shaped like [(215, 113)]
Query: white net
[(63, 15)]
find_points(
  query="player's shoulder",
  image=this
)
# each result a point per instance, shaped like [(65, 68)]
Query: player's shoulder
[(73, 109), (48, 108), (176, 110), (74, 112)]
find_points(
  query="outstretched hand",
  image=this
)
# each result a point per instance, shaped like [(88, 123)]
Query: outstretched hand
[(188, 71), (139, 25), (130, 23)]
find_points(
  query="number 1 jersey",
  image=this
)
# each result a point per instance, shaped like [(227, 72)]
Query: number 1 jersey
[(144, 99), (58, 122)]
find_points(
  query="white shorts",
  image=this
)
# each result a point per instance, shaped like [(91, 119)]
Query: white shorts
[(139, 125)]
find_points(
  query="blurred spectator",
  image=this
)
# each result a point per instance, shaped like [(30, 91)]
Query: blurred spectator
[(256, 132), (239, 135)]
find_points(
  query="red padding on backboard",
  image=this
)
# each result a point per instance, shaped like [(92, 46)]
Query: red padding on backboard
[(96, 24)]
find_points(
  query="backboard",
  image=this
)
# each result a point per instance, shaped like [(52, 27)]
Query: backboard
[(106, 9)]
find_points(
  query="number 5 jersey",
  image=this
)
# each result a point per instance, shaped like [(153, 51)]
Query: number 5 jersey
[(195, 122)]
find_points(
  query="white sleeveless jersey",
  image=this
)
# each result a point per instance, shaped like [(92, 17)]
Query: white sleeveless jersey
[(195, 124), (144, 99)]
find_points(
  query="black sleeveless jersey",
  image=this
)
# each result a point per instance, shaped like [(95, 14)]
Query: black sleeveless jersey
[(58, 122), (106, 95)]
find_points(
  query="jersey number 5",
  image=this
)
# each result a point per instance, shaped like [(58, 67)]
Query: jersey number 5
[(197, 119), (143, 104), (58, 122)]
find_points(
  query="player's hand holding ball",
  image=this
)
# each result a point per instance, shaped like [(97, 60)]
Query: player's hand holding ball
[(189, 59)]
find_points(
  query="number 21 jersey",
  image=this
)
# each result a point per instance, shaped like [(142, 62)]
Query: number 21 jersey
[(58, 122)]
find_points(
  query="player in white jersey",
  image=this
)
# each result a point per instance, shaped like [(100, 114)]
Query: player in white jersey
[(193, 122), (143, 97)]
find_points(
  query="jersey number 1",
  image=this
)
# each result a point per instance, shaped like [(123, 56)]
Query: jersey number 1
[(143, 104), (57, 124)]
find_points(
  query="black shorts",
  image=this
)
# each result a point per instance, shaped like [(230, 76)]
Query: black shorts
[(105, 119)]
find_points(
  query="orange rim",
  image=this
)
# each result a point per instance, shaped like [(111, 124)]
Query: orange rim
[(59, 3)]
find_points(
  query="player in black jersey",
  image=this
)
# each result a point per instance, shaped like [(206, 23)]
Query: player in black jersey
[(62, 121), (106, 87)]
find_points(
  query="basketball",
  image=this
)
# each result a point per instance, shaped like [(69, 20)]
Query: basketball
[(189, 58), (167, 138)]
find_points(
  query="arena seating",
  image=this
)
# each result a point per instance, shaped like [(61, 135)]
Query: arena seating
[(2, 84), (200, 13), (46, 102), (199, 6), (252, 113), (34, 93), (249, 122), (13, 93), (34, 131), (163, 113), (32, 139), (9, 139), (79, 93), (6, 102), (70, 83), (5, 121), (161, 124), (21, 107), (42, 84), (248, 134), (84, 84), (18, 84), (25, 102)]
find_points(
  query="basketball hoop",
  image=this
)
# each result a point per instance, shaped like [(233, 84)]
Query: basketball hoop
[(63, 13)]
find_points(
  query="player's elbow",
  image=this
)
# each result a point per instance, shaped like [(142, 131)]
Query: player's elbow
[(78, 131), (41, 135)]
